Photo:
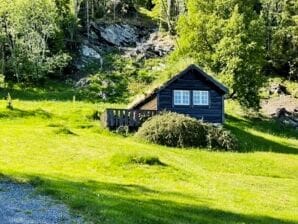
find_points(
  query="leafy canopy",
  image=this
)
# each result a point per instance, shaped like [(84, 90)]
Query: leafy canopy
[(225, 37)]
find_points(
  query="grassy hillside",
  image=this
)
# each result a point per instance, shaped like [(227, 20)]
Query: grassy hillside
[(107, 178)]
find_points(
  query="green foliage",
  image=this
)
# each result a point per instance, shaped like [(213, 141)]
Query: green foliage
[(281, 19), (146, 160), (29, 25), (219, 138), (78, 171), (226, 39), (38, 40), (105, 87), (173, 129), (2, 81), (135, 159)]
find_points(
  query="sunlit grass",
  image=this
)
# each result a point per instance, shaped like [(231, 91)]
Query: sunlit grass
[(111, 179)]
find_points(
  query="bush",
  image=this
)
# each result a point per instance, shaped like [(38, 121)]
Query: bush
[(219, 138), (146, 160), (104, 86), (172, 129), (176, 130)]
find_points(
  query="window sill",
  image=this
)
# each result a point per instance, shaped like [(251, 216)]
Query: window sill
[(192, 106)]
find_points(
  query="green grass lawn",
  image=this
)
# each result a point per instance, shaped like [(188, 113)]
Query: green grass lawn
[(107, 178)]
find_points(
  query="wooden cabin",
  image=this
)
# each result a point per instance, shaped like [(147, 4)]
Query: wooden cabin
[(191, 92)]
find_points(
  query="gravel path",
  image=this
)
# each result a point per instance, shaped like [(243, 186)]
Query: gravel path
[(19, 204)]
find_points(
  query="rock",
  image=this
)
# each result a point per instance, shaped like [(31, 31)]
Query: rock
[(289, 122), (134, 41), (90, 52), (278, 89), (286, 117), (154, 46), (116, 34), (281, 112), (83, 82)]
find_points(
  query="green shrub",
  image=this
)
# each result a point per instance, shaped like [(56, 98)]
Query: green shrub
[(104, 86), (219, 138), (136, 159), (146, 160), (177, 130), (2, 81), (172, 129)]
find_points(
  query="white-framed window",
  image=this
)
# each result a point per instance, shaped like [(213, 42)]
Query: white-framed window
[(181, 97), (200, 97)]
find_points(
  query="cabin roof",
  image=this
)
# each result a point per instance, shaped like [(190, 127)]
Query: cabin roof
[(149, 96)]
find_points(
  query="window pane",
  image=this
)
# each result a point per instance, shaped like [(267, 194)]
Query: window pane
[(181, 97), (200, 97)]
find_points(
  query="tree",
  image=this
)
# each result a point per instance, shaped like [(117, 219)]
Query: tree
[(226, 38), (29, 25), (2, 36), (281, 36), (168, 12), (240, 55)]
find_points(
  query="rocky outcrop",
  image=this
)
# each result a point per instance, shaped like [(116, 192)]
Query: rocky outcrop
[(119, 35), (132, 40), (157, 45), (89, 53), (285, 117)]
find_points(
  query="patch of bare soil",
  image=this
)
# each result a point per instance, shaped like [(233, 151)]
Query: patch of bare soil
[(270, 106)]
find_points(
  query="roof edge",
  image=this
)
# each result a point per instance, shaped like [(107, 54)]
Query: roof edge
[(151, 94)]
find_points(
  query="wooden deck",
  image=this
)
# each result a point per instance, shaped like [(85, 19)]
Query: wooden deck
[(114, 118)]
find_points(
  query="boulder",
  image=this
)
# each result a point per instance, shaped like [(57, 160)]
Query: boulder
[(286, 117), (116, 34), (88, 53)]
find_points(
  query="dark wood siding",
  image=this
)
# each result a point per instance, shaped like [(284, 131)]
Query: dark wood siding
[(190, 81)]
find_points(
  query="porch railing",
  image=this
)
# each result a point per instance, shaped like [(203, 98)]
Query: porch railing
[(114, 118)]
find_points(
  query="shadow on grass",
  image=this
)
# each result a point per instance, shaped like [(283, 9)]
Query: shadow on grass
[(102, 202), (18, 113), (51, 92), (266, 125), (250, 142)]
